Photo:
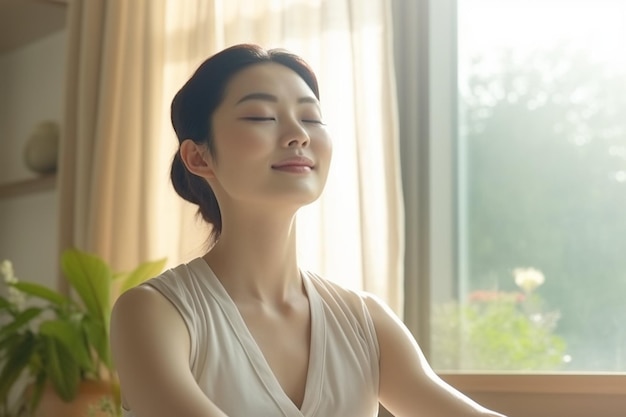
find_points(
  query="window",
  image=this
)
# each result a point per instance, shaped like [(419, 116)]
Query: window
[(521, 159)]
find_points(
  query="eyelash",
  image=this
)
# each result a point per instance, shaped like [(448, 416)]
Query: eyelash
[(259, 119), (317, 122), (267, 119)]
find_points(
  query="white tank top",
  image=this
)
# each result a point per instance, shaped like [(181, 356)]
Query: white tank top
[(342, 379)]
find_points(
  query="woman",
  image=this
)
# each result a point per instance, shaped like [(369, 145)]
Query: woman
[(242, 331)]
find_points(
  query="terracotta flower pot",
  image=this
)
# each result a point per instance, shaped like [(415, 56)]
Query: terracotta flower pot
[(86, 404)]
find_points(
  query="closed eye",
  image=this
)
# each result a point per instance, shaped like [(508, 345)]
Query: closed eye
[(258, 119), (313, 121)]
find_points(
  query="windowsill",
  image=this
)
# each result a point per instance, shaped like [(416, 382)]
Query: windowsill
[(545, 395), (562, 383)]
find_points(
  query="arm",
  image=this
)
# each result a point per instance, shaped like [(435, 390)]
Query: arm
[(408, 385), (150, 346)]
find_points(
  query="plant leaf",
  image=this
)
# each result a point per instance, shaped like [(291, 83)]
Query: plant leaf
[(98, 337), (143, 272), (38, 387), (120, 276), (61, 368), (91, 278), (20, 320), (41, 291), (71, 337), (18, 357)]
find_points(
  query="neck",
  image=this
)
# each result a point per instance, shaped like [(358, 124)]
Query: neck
[(255, 258)]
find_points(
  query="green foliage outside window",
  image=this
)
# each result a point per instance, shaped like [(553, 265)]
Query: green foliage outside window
[(498, 331), (544, 140)]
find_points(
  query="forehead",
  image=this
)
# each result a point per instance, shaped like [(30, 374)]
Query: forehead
[(269, 77)]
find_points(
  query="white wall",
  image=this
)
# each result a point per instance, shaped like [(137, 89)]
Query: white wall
[(31, 90)]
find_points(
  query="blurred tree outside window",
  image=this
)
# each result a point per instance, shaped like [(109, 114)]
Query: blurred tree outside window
[(541, 189)]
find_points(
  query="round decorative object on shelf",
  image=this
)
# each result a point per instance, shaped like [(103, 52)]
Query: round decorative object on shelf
[(41, 152)]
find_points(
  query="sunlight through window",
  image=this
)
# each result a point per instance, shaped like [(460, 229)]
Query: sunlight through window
[(541, 189)]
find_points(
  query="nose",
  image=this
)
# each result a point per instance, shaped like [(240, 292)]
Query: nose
[(295, 135)]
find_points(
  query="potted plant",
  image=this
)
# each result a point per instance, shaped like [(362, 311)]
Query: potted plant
[(58, 340)]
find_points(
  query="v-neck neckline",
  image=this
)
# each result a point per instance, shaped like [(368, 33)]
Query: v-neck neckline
[(315, 369)]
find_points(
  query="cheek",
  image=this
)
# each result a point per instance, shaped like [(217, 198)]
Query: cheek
[(242, 143), (324, 146)]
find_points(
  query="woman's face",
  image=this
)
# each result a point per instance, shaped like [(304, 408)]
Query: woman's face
[(270, 144)]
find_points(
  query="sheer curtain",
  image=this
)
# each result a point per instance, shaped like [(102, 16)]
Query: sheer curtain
[(126, 62), (106, 148), (114, 193)]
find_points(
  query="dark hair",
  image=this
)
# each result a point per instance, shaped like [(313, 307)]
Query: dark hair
[(195, 103)]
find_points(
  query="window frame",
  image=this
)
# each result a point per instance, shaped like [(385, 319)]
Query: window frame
[(426, 72)]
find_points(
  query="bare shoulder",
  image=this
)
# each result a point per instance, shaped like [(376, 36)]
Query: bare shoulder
[(139, 298), (150, 344), (143, 314), (142, 318), (143, 306)]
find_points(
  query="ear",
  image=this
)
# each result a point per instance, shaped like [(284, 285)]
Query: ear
[(197, 158)]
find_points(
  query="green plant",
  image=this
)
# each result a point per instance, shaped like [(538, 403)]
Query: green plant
[(498, 331), (54, 338)]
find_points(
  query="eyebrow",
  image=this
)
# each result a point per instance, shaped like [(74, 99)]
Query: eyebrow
[(272, 98)]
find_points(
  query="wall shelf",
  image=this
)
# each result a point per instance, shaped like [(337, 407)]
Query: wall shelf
[(33, 185), (25, 21)]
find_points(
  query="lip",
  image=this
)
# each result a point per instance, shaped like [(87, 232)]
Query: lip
[(294, 162)]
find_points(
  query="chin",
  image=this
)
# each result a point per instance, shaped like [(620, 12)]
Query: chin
[(301, 200), (302, 193)]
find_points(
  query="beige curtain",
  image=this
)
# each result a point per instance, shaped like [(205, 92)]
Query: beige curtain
[(104, 157), (113, 187), (127, 59)]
